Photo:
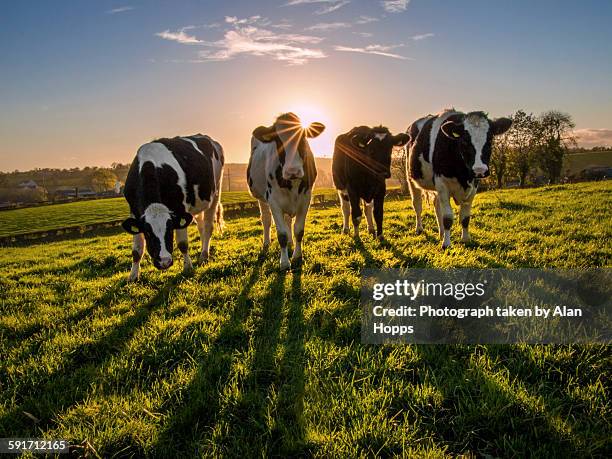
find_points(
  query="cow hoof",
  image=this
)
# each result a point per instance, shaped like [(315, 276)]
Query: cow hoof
[(345, 231), (419, 231), (132, 279), (372, 233), (285, 266), (380, 237), (296, 262), (446, 247), (203, 259)]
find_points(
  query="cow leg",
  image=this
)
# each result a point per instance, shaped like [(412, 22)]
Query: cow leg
[(266, 221), (379, 207), (447, 216), (465, 211), (417, 203), (369, 213), (289, 223), (346, 211), (298, 229), (355, 212), (138, 245), (282, 233), (182, 241), (206, 222), (439, 218)]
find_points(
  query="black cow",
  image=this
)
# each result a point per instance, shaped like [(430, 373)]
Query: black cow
[(448, 153), (169, 182), (361, 163)]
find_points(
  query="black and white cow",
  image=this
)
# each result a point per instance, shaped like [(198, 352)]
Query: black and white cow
[(169, 182), (448, 153), (281, 174), (360, 166)]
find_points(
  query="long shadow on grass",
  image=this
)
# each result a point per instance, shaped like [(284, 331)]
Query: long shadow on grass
[(69, 382), (199, 404), (481, 416)]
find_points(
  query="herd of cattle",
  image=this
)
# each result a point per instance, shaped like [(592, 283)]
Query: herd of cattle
[(173, 181)]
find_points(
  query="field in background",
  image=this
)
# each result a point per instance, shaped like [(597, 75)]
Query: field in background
[(576, 162), (56, 216), (238, 359)]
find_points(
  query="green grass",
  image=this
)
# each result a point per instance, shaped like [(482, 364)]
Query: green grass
[(81, 213), (578, 161), (238, 359)]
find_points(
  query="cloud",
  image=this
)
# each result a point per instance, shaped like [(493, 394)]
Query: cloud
[(329, 26), (121, 9), (366, 20), (328, 6), (395, 6), (588, 138), (179, 36), (364, 34), (255, 41), (422, 36), (379, 50)]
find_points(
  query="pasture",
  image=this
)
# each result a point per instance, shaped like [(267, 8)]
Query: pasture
[(57, 216), (239, 359)]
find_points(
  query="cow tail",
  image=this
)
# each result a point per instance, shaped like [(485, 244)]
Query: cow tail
[(219, 222)]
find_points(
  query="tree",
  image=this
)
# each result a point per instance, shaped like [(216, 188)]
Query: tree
[(398, 167), (522, 141), (102, 180), (554, 139), (499, 159)]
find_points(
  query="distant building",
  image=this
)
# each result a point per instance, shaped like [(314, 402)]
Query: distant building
[(30, 184)]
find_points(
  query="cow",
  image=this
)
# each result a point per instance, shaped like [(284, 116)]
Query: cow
[(170, 181), (448, 154), (280, 175), (361, 164)]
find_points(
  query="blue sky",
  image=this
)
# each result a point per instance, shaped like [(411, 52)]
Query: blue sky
[(86, 83)]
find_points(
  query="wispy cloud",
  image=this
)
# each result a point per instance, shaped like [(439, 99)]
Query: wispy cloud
[(364, 34), (121, 9), (422, 36), (379, 50), (593, 137), (395, 6), (328, 6), (366, 20), (249, 40), (329, 26), (179, 36)]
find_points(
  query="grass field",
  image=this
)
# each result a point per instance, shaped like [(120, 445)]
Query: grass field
[(578, 161), (238, 359), (55, 216)]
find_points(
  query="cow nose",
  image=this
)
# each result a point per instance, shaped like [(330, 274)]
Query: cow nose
[(480, 171), (165, 263), (292, 174)]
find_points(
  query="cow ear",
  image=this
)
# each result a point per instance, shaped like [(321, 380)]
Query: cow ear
[(500, 125), (182, 221), (314, 130), (132, 226), (264, 134), (452, 130), (400, 140)]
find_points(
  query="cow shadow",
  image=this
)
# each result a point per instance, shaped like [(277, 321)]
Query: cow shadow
[(476, 407), (200, 402), (68, 383)]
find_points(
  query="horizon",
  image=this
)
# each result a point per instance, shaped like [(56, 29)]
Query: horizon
[(87, 84)]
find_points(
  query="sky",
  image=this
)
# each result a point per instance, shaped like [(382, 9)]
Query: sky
[(86, 83)]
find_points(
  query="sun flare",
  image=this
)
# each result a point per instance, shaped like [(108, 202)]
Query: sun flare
[(310, 113)]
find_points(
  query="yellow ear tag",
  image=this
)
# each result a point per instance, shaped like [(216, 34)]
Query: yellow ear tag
[(456, 135), (182, 222), (135, 229)]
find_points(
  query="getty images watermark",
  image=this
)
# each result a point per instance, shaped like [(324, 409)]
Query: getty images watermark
[(487, 306)]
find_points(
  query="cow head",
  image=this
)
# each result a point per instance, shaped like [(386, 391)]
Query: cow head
[(474, 135), (291, 142), (377, 145), (157, 224)]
